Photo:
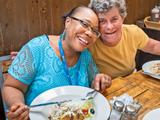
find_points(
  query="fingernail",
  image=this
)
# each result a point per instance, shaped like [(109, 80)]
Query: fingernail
[(97, 88)]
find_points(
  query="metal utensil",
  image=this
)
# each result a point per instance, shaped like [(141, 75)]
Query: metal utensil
[(150, 74), (90, 95), (44, 104)]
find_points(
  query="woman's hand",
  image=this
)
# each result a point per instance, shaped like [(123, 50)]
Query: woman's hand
[(18, 111), (101, 82), (15, 54)]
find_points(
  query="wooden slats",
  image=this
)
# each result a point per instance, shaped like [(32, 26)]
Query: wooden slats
[(1, 41), (7, 24), (21, 20), (150, 100), (45, 17), (5, 65), (33, 15)]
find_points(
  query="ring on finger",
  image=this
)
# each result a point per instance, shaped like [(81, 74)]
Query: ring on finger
[(107, 82)]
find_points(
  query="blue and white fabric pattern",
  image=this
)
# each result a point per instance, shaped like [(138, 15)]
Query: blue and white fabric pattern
[(38, 66)]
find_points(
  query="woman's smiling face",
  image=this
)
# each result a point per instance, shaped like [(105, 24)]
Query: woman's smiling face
[(81, 38), (110, 26)]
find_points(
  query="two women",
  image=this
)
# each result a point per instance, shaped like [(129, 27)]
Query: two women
[(51, 61)]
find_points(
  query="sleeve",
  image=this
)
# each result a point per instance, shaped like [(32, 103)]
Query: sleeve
[(23, 66), (92, 70), (141, 37)]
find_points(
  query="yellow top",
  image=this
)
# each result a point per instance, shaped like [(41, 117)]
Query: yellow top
[(119, 60)]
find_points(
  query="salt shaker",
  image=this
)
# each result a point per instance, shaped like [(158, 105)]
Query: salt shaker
[(116, 111), (129, 113)]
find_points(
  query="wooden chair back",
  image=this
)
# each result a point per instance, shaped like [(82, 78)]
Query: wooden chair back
[(2, 77)]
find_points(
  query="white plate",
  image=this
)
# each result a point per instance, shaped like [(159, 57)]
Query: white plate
[(152, 115), (146, 67), (100, 103)]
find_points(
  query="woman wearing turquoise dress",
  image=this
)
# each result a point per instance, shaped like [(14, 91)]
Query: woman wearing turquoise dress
[(50, 61)]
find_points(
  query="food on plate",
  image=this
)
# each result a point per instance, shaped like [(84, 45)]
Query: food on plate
[(155, 68), (75, 110)]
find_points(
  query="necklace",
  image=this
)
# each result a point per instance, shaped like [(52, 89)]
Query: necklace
[(65, 65), (72, 59)]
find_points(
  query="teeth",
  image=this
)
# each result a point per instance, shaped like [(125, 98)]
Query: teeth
[(83, 40)]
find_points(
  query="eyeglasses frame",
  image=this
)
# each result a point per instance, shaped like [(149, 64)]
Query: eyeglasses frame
[(99, 34)]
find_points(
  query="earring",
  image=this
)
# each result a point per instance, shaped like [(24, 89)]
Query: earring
[(64, 35)]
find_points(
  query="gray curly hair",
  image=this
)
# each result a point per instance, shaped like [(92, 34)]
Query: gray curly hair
[(103, 6)]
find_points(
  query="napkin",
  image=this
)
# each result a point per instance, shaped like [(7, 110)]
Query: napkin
[(127, 100)]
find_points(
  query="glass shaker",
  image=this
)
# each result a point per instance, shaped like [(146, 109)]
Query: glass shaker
[(129, 113), (116, 111)]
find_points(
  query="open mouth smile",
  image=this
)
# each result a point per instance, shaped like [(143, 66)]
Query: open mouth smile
[(81, 39), (110, 33)]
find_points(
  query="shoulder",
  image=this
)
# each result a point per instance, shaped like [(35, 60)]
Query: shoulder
[(38, 40), (86, 52), (130, 28), (96, 44), (86, 55), (37, 46)]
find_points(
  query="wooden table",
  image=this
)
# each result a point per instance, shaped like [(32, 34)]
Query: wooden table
[(142, 87)]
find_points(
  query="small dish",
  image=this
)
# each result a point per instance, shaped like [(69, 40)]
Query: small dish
[(152, 115)]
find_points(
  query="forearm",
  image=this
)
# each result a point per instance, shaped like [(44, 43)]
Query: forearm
[(156, 49), (152, 47), (12, 95)]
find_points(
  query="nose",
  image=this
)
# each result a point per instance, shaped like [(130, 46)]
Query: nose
[(109, 25), (89, 31)]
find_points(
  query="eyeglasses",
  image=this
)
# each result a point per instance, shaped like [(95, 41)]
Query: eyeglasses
[(86, 25)]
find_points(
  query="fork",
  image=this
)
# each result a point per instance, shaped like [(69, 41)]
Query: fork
[(90, 95), (43, 104)]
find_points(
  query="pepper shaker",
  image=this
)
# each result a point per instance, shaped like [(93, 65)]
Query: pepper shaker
[(116, 111), (129, 113)]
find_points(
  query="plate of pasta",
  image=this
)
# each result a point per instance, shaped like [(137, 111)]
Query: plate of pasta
[(97, 108), (152, 67)]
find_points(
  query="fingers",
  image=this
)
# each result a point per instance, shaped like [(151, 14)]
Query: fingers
[(13, 58), (14, 53), (18, 112), (108, 81), (101, 82), (97, 84)]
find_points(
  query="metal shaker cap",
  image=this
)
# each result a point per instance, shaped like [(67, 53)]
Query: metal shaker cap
[(118, 106), (130, 110)]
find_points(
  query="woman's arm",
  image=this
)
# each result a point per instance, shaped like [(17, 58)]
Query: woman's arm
[(13, 93), (153, 47), (100, 81)]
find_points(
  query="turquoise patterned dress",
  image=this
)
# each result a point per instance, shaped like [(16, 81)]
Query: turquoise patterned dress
[(38, 66)]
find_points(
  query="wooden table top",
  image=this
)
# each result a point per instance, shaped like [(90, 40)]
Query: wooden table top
[(141, 87)]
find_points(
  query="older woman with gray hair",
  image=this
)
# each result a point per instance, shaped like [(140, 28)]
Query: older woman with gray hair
[(114, 52)]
